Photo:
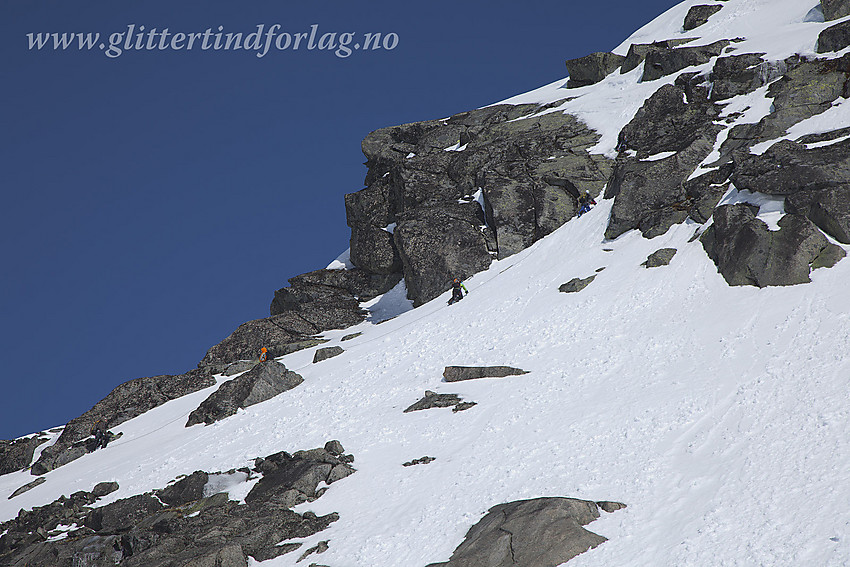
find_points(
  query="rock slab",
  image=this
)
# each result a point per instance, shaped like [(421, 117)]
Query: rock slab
[(461, 373), (265, 381), (543, 532)]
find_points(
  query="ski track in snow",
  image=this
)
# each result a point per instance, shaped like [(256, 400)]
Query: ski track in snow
[(718, 414)]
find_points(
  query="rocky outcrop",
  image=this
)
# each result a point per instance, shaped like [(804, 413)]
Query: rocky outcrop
[(454, 193), (638, 52), (27, 487), (662, 62), (592, 68), (326, 353), (125, 402), (699, 15), (261, 383), (669, 136), (17, 454), (815, 182), (178, 525), (461, 373), (747, 252), (834, 38), (835, 9), (659, 258), (804, 89), (576, 284), (434, 400), (542, 532)]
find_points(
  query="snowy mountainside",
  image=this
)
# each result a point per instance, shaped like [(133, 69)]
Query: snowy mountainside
[(717, 413)]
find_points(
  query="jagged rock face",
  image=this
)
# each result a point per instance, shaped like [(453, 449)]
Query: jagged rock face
[(261, 383), (17, 455), (575, 285), (638, 51), (125, 402), (662, 62), (739, 74), (438, 243), (699, 15), (531, 171), (177, 525), (834, 38), (649, 194), (747, 252), (834, 9), (805, 88), (543, 532), (592, 68)]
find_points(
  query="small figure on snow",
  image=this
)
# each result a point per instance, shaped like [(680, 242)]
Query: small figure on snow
[(585, 202), (458, 290), (264, 354)]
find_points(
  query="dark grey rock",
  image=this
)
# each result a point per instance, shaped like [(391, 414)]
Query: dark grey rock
[(206, 532), (834, 38), (239, 366), (805, 88), (263, 382), (122, 514), (659, 258), (610, 507), (746, 252), (835, 9), (651, 195), (17, 454), (460, 373), (326, 353), (739, 74), (638, 51), (704, 192), (463, 406), (373, 249), (576, 284), (420, 461), (351, 336), (828, 208), (662, 62), (27, 487), (438, 244), (699, 15), (334, 447), (530, 166), (125, 402), (101, 489), (543, 532), (186, 490), (592, 68), (434, 400)]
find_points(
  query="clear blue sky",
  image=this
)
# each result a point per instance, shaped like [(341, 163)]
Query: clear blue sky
[(154, 201)]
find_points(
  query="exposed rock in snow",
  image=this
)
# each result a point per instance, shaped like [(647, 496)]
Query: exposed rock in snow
[(660, 258), (529, 533), (747, 252), (16, 455), (576, 284), (699, 15), (326, 353), (592, 68), (264, 381), (461, 373)]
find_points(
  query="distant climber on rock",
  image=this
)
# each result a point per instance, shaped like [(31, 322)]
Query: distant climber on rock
[(101, 434), (458, 290), (585, 202), (264, 354)]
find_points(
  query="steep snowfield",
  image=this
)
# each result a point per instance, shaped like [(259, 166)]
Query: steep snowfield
[(718, 414)]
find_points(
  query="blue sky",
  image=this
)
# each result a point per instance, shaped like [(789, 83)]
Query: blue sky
[(153, 202)]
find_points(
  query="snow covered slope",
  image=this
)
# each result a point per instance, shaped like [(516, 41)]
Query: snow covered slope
[(718, 414)]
